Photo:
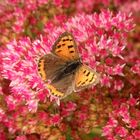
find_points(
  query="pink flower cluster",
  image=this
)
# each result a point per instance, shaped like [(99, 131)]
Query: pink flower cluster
[(17, 12), (20, 58), (123, 121)]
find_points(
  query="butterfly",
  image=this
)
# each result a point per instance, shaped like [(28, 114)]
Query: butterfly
[(64, 69)]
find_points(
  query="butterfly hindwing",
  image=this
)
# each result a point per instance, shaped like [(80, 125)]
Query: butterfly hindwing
[(65, 47), (54, 91), (85, 77), (63, 87)]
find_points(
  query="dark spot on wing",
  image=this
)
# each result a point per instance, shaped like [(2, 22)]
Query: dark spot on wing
[(40, 60), (59, 51), (63, 44), (88, 74), (91, 79), (44, 68), (70, 46), (79, 82), (39, 64), (71, 51), (41, 74), (84, 71), (83, 83)]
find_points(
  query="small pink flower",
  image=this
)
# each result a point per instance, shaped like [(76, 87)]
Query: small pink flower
[(109, 61), (136, 134), (82, 116), (21, 138), (42, 94), (123, 112), (2, 136), (65, 113), (32, 105), (136, 69), (118, 69), (43, 115), (70, 106), (129, 138), (2, 114), (133, 123), (109, 70), (41, 2), (55, 119), (11, 102), (132, 101), (58, 2), (118, 85), (107, 130), (112, 122), (111, 137), (121, 131), (68, 109), (105, 81)]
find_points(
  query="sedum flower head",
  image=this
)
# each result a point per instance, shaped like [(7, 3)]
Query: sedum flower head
[(98, 36)]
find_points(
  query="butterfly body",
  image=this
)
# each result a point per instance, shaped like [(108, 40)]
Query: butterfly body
[(64, 68)]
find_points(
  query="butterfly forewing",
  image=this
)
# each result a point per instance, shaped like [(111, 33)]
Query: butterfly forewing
[(65, 47), (49, 65), (85, 77)]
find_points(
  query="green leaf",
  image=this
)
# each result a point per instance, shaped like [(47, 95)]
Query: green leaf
[(68, 134)]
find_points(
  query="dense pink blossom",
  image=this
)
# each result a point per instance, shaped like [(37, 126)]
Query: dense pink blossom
[(55, 119), (20, 58), (125, 119), (129, 6), (21, 138)]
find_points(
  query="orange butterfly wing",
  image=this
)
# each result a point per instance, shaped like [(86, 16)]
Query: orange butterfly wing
[(65, 47), (85, 77)]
